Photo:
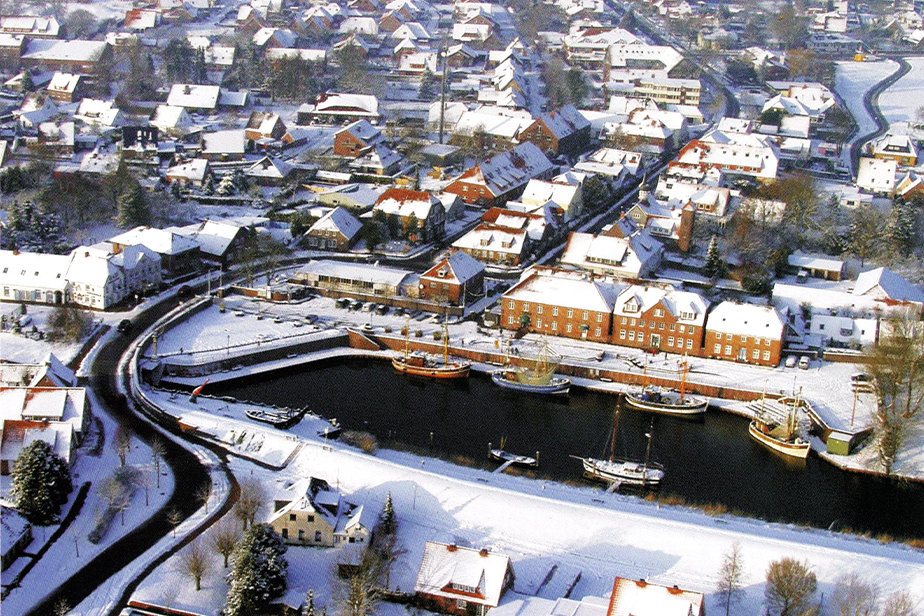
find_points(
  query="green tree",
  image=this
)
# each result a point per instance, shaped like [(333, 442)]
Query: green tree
[(864, 239), (179, 60), (715, 266), (374, 234), (258, 573), (81, 24), (903, 228), (791, 586), (388, 522), (41, 483), (133, 207), (577, 86)]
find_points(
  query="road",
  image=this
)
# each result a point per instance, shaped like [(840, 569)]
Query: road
[(189, 475)]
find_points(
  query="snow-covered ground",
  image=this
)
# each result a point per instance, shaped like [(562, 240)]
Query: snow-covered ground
[(852, 81), (900, 102), (541, 525)]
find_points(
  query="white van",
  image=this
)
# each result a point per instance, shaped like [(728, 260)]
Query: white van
[(804, 362)]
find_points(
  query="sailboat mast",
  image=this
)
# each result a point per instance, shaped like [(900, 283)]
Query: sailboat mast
[(683, 378), (407, 336), (613, 437), (446, 338), (648, 449)]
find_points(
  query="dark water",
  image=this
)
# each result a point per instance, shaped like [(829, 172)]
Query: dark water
[(708, 461)]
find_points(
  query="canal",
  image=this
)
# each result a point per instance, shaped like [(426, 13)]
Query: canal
[(711, 461)]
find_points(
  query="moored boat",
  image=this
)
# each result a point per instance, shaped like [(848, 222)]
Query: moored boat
[(668, 401), (620, 471), (424, 364), (500, 455), (281, 418), (539, 378), (780, 433)]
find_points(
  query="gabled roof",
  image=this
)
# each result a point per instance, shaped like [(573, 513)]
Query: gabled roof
[(458, 267), (404, 202), (51, 50), (193, 96), (34, 269), (160, 241), (362, 130), (509, 170), (169, 116), (270, 168), (451, 571), (192, 170), (683, 305), (340, 220), (640, 598), (891, 284), (566, 289), (746, 320)]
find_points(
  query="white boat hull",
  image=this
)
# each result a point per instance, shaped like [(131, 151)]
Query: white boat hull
[(796, 448), (623, 471), (668, 403)]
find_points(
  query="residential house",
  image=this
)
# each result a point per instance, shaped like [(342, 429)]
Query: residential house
[(171, 120), (336, 231), (636, 256), (56, 415), (356, 139), (34, 277), (12, 46), (272, 171), (15, 538), (884, 285), (357, 198), (224, 145), (462, 581), (910, 187), (100, 113), (670, 91), (900, 148), (635, 597), (544, 225), (745, 333), (314, 514), (816, 266), (264, 125), (33, 26), (496, 180), (193, 96), (565, 191), (671, 223), (421, 215), (731, 152), (660, 319), (877, 175), (192, 173), (562, 132), (74, 56), (561, 303), (179, 255), (331, 107), (67, 87), (496, 244), (95, 278), (454, 279), (220, 243)]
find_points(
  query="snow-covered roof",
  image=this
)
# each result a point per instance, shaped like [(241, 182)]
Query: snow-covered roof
[(876, 175), (270, 168), (816, 262), (883, 281), (160, 241), (494, 238), (232, 141), (640, 598), (538, 192), (565, 289), (33, 269), (64, 82), (340, 220), (404, 202), (193, 96), (366, 272), (631, 256), (169, 116), (458, 267), (509, 170), (51, 50), (362, 130), (746, 320), (451, 571), (192, 170), (352, 104), (685, 306)]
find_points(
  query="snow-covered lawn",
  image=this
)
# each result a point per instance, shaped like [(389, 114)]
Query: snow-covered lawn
[(852, 81), (540, 525), (900, 102)]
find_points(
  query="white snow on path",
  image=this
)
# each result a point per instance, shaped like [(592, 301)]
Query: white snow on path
[(540, 524), (900, 101)]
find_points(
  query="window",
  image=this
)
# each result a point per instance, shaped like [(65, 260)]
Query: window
[(539, 322), (660, 325), (728, 349), (555, 311), (585, 315), (622, 334), (317, 536), (632, 336), (539, 309), (568, 328), (717, 349), (673, 327), (525, 306), (554, 326), (659, 312), (755, 354), (511, 305), (597, 332), (623, 320), (690, 343), (311, 518), (766, 342), (599, 317), (285, 533), (510, 320), (670, 341), (570, 313), (301, 535), (766, 355), (744, 339), (681, 328), (293, 517), (641, 338), (641, 323), (632, 322)]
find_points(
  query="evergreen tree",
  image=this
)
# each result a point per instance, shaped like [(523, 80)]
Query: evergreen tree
[(41, 483), (27, 84), (902, 229), (714, 267), (133, 207), (388, 521), (259, 571), (308, 610), (429, 86)]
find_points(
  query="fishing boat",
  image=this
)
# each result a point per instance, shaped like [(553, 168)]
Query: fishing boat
[(540, 378), (656, 399), (503, 456), (278, 418), (425, 364), (778, 431), (620, 471)]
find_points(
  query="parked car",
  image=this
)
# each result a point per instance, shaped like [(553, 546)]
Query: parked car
[(791, 361), (124, 326), (355, 304), (342, 302), (804, 362), (381, 309)]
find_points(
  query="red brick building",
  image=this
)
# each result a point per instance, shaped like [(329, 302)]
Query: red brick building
[(660, 319), (560, 132), (462, 581), (501, 178), (356, 139), (745, 333), (453, 280)]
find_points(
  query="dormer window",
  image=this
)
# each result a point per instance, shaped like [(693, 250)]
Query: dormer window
[(631, 307)]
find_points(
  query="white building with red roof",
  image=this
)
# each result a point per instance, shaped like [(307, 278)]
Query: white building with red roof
[(462, 581)]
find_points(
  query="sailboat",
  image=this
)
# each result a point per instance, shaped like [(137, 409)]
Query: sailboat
[(538, 379), (619, 471), (779, 434), (668, 401), (419, 363)]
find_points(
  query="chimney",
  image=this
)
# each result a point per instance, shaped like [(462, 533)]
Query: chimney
[(483, 553), (451, 547)]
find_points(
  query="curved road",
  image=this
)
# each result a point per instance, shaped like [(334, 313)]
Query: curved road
[(871, 102), (189, 476)]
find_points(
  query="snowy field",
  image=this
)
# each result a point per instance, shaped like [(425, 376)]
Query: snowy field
[(852, 81), (901, 101), (541, 525)]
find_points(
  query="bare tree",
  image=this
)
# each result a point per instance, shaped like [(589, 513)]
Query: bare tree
[(791, 585), (195, 561), (202, 495), (249, 502), (174, 517), (730, 578), (225, 538), (123, 442), (358, 594), (899, 604), (854, 596), (158, 449)]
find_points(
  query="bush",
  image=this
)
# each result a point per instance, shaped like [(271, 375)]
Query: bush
[(68, 324)]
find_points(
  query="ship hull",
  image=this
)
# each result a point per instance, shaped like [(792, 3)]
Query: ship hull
[(442, 371), (669, 404), (623, 472), (555, 386), (796, 449)]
